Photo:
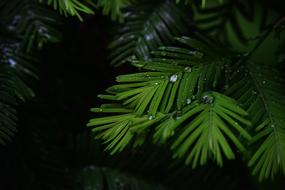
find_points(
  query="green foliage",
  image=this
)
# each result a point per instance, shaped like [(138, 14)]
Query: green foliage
[(205, 136), (178, 98), (100, 178), (171, 99), (25, 27), (238, 24), (146, 28), (70, 7), (15, 70), (261, 91), (114, 8)]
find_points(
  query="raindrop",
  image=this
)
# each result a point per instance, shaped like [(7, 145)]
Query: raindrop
[(178, 117), (173, 78), (188, 69), (207, 99), (149, 37), (188, 101), (156, 83), (151, 117), (12, 62), (42, 29)]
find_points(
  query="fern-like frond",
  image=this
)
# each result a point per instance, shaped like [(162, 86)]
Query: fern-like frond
[(14, 70), (168, 99), (239, 25), (146, 28), (100, 178), (35, 26), (261, 91), (71, 7), (172, 79), (114, 8), (217, 119), (24, 27)]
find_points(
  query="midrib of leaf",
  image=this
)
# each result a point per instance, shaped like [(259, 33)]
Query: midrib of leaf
[(267, 108), (210, 122)]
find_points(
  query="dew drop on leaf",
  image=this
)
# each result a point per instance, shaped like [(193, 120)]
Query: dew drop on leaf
[(188, 101), (188, 69), (208, 99), (12, 62), (151, 117), (173, 78)]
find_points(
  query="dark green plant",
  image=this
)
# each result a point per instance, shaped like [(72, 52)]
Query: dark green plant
[(207, 88), (193, 96)]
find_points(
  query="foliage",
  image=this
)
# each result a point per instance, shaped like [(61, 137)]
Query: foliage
[(261, 90), (23, 31), (207, 87), (71, 7), (173, 94), (145, 29), (168, 100)]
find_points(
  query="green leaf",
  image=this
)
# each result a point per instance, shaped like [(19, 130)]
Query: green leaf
[(147, 27), (207, 134), (261, 91), (71, 7)]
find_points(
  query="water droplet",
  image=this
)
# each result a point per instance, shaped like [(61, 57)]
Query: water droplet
[(205, 79), (188, 69), (263, 82), (12, 62), (208, 99), (173, 78), (148, 37), (156, 83), (188, 101), (151, 117), (272, 125), (178, 117)]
